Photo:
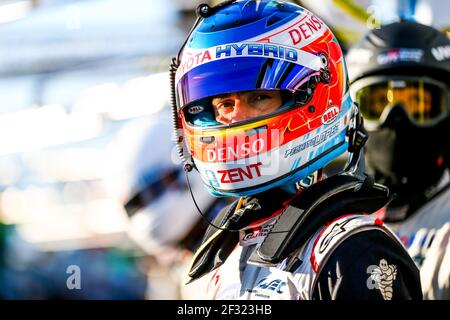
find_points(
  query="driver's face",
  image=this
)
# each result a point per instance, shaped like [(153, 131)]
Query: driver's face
[(239, 106)]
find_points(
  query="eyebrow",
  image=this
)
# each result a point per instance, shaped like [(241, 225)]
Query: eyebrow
[(226, 95), (222, 96)]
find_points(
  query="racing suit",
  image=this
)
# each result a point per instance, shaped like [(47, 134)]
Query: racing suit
[(426, 234), (352, 257)]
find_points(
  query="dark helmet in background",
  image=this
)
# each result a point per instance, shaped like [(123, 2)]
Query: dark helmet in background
[(400, 76)]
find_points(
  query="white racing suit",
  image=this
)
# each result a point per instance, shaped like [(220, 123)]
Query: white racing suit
[(353, 257), (426, 234)]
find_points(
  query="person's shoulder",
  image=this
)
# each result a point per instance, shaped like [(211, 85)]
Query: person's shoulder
[(364, 239), (341, 232), (371, 246), (369, 264)]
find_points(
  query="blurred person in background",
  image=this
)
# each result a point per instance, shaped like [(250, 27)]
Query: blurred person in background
[(163, 221), (260, 95), (66, 69), (400, 76)]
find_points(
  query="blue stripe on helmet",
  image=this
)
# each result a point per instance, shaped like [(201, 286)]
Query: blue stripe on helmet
[(245, 20)]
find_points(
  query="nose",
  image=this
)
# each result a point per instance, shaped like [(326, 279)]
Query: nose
[(241, 111)]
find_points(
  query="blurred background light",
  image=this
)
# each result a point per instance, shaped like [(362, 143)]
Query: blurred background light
[(14, 10)]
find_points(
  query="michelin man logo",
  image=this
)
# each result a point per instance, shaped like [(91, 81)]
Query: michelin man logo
[(382, 277)]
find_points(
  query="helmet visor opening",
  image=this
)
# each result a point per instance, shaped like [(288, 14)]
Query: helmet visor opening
[(237, 108)]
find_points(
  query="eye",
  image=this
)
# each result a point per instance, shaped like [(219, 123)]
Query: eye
[(224, 104), (262, 97)]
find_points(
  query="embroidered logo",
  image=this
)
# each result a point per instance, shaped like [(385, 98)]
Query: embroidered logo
[(259, 232), (382, 277), (336, 230)]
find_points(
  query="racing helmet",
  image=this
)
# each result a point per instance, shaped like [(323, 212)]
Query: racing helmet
[(263, 46), (145, 176), (400, 76)]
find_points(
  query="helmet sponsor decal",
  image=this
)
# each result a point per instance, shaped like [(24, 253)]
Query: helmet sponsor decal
[(195, 109), (240, 174), (441, 53), (259, 168), (400, 55), (193, 58), (236, 151), (299, 33), (330, 115), (313, 142)]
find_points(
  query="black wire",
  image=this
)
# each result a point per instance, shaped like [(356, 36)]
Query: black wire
[(186, 171)]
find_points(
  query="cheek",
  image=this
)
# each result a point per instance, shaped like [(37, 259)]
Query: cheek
[(275, 104), (222, 113), (223, 118)]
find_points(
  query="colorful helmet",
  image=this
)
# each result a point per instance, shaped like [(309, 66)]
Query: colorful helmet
[(262, 45)]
